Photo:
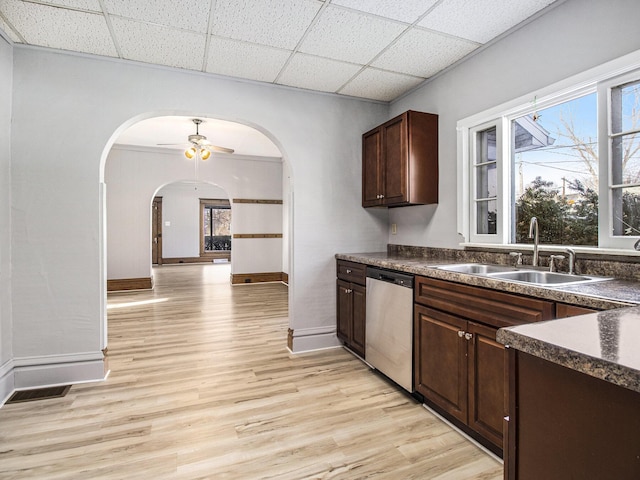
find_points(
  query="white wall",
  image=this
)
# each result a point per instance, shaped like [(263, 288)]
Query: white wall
[(71, 107), (6, 329), (181, 208), (567, 40), (133, 176)]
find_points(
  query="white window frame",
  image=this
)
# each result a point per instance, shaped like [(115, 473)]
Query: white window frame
[(606, 76), (605, 153), (500, 196)]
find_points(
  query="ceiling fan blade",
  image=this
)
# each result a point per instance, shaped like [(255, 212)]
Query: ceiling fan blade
[(167, 144), (216, 148)]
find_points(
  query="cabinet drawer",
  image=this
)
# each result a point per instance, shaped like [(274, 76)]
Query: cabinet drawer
[(483, 305), (564, 310), (352, 272)]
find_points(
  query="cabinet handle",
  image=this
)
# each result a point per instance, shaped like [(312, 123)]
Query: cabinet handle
[(348, 271), (468, 336), (460, 333)]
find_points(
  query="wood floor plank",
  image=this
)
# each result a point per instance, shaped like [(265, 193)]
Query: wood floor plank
[(202, 386)]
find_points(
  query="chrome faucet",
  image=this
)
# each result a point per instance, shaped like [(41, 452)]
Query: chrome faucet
[(572, 260), (533, 233)]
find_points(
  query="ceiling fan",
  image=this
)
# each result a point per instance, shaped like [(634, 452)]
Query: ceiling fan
[(199, 145)]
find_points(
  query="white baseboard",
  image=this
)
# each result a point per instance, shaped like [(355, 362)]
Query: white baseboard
[(47, 371), (6, 381), (307, 340)]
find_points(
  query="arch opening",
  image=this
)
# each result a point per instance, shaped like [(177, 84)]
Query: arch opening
[(135, 169)]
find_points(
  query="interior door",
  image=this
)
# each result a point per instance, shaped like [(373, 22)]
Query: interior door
[(156, 231)]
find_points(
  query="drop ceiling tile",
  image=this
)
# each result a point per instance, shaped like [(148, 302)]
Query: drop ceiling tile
[(159, 45), (480, 20), (245, 60), (407, 11), (316, 73), (75, 31), (276, 23), (380, 85), (92, 5), (340, 34), (423, 53), (10, 33), (187, 14)]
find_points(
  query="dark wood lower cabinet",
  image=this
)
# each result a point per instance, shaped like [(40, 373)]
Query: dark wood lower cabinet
[(487, 381), (440, 367), (461, 368), (351, 314), (565, 424)]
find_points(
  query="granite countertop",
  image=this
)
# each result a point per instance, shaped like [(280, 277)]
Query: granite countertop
[(603, 345), (600, 295)]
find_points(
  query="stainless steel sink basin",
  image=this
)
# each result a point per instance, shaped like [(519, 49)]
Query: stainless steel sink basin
[(544, 278), (476, 268), (505, 272)]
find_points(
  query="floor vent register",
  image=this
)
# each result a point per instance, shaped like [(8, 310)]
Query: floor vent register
[(39, 394)]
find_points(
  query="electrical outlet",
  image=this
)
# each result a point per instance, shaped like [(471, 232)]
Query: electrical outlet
[(394, 229)]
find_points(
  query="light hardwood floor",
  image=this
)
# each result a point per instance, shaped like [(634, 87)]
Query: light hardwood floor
[(203, 386)]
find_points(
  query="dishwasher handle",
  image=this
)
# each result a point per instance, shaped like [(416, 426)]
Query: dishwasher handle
[(397, 278)]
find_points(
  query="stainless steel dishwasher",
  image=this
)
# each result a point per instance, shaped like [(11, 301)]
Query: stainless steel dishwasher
[(389, 325)]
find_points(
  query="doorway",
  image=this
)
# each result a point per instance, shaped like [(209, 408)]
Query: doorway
[(156, 231)]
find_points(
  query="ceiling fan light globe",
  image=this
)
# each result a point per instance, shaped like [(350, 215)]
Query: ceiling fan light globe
[(205, 154), (190, 153)]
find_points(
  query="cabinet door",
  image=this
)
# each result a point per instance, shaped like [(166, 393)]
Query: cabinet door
[(344, 311), (371, 168), (440, 366), (487, 371), (359, 304), (395, 155)]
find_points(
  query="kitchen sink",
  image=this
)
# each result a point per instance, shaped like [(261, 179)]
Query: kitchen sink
[(520, 274), (477, 268), (544, 278)]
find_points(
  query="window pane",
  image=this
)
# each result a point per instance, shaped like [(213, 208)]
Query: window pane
[(630, 107), (555, 173), (625, 161), (486, 146), (487, 181), (626, 211), (487, 214)]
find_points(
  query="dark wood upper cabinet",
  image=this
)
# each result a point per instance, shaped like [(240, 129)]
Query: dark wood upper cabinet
[(400, 161)]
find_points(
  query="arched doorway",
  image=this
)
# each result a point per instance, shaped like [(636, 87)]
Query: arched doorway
[(136, 167)]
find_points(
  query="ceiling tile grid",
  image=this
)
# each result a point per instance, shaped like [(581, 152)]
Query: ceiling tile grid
[(380, 85), (423, 53), (245, 60), (159, 45), (408, 12), (276, 23), (480, 20), (371, 49), (9, 31), (89, 5), (339, 35), (316, 73), (59, 28), (185, 14)]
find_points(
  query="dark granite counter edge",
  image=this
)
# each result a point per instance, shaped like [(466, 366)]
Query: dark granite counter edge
[(596, 367), (425, 267)]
